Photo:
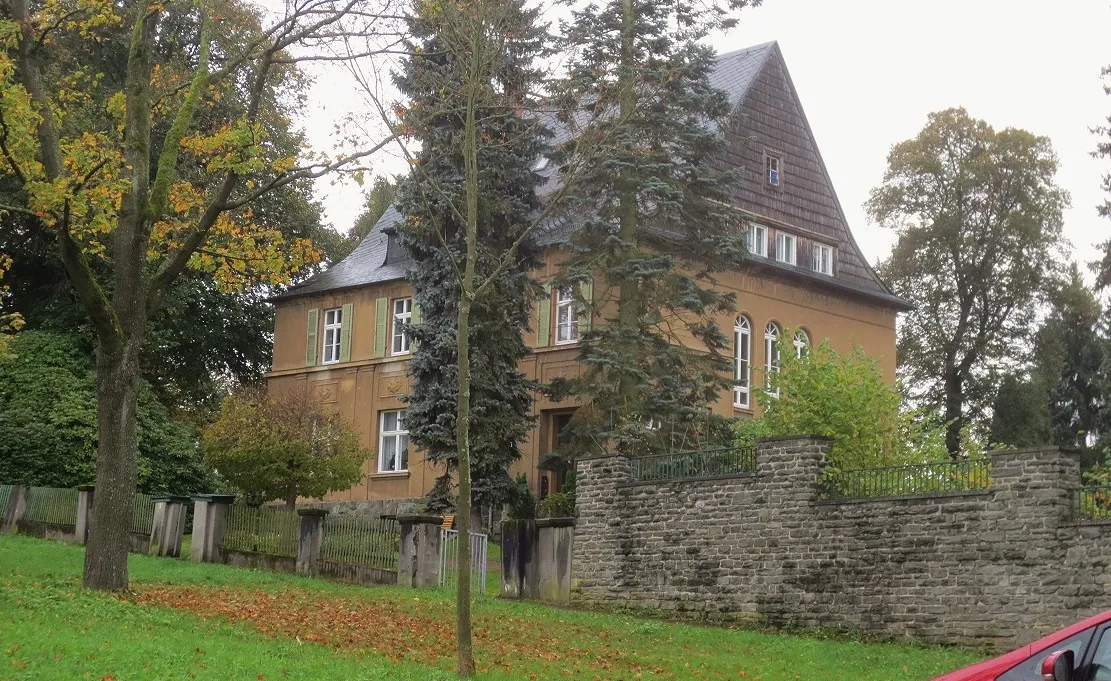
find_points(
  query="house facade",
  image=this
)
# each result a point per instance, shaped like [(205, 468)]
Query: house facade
[(340, 332)]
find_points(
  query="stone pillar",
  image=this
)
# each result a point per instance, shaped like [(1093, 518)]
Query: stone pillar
[(169, 526), (519, 577), (418, 563), (311, 537), (200, 526), (84, 513), (595, 576), (556, 536), (17, 504), (210, 510)]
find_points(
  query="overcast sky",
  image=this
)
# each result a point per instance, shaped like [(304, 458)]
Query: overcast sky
[(868, 72)]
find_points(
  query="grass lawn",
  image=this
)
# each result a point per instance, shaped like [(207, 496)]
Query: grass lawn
[(186, 621)]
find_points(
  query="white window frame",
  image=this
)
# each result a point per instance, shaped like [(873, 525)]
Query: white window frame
[(399, 436), (742, 362), (758, 240), (399, 343), (786, 248), (567, 330), (801, 342), (771, 356), (333, 326), (773, 164), (823, 258)]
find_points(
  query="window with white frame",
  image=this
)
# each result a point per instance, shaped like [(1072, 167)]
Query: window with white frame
[(771, 356), (772, 169), (823, 258), (393, 442), (758, 240), (402, 314), (801, 343), (567, 318), (785, 247), (333, 324), (742, 362)]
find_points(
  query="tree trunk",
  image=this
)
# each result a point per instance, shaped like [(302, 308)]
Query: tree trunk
[(628, 308), (291, 498), (954, 412), (117, 467), (463, 403)]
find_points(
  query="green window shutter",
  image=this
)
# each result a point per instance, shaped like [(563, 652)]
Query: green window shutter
[(586, 290), (544, 320), (383, 310), (310, 340), (414, 320), (345, 332)]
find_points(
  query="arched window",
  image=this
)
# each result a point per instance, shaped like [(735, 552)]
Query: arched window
[(802, 343), (742, 362), (771, 355)]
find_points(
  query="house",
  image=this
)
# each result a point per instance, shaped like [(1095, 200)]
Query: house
[(339, 331)]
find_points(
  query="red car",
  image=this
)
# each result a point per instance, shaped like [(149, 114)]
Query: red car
[(1081, 652)]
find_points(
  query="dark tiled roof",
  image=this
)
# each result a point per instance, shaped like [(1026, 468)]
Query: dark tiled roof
[(758, 84)]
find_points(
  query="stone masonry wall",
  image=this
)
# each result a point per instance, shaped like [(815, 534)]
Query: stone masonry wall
[(993, 568)]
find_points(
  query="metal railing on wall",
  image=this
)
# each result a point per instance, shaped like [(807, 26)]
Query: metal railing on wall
[(5, 496), (371, 542), (912, 480), (51, 505), (1095, 502), (261, 530), (706, 463)]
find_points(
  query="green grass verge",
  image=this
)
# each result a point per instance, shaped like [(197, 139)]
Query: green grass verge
[(50, 629)]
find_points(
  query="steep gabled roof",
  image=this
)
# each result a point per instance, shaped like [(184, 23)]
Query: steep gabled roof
[(767, 114)]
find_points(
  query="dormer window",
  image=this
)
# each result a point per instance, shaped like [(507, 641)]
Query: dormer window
[(823, 259), (758, 240), (540, 164), (772, 169), (785, 248)]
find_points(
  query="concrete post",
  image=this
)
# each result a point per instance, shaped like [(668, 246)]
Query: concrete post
[(310, 540), (17, 504), (210, 512), (84, 512), (555, 538), (418, 563), (169, 526), (520, 578), (200, 526)]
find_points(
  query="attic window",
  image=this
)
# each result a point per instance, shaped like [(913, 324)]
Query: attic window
[(773, 169), (540, 164)]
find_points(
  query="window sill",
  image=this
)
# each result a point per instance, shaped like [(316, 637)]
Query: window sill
[(331, 363), (399, 355), (386, 475), (567, 342)]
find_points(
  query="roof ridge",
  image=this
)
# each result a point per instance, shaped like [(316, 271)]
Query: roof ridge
[(750, 48)]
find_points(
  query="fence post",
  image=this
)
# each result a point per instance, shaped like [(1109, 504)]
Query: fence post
[(310, 538), (209, 513), (17, 504), (519, 578), (84, 512), (169, 526), (418, 562), (553, 566)]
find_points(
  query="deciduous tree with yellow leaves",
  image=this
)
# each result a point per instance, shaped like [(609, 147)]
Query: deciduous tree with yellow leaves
[(144, 183)]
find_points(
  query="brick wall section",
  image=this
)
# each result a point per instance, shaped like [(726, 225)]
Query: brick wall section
[(992, 568)]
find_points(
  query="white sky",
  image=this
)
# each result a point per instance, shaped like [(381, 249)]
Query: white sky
[(868, 72)]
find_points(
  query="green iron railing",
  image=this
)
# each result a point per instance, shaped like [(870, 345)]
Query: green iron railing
[(261, 530), (371, 542), (52, 505), (142, 514), (705, 463), (912, 480), (5, 495), (1095, 503)]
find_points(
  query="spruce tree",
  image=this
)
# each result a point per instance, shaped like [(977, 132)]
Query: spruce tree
[(436, 80), (654, 222)]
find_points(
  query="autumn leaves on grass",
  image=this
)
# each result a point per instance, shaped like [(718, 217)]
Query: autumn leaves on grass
[(421, 631)]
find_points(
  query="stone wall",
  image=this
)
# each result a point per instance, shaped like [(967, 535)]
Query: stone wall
[(993, 568), (372, 508)]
